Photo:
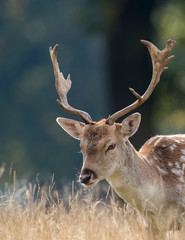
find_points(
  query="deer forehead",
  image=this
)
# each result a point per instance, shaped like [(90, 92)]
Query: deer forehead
[(97, 135)]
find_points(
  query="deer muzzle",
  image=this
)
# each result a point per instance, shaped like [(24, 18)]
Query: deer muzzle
[(87, 177)]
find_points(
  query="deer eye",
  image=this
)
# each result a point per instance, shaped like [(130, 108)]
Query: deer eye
[(111, 146)]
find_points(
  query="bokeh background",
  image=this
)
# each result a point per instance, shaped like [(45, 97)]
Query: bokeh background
[(100, 46)]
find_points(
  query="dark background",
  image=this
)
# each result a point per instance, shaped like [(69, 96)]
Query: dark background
[(100, 46)]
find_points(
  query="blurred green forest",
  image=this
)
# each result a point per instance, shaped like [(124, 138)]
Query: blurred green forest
[(99, 46)]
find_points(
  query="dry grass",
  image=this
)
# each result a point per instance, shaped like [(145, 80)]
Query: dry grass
[(35, 214)]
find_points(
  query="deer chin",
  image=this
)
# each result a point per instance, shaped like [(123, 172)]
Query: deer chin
[(91, 184)]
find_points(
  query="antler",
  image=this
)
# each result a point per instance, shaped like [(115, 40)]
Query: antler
[(159, 61), (63, 86)]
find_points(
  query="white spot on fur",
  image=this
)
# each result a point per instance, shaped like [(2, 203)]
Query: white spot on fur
[(172, 147), (182, 158), (181, 178), (176, 171), (170, 164), (177, 164), (183, 151), (164, 145)]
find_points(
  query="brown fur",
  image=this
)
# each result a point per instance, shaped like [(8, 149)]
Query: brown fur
[(152, 180)]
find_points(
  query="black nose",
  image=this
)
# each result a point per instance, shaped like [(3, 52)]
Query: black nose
[(87, 175), (85, 179)]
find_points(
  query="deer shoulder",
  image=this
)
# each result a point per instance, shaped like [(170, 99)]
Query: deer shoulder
[(167, 154)]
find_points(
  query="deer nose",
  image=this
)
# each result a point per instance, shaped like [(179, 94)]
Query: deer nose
[(87, 175), (85, 179)]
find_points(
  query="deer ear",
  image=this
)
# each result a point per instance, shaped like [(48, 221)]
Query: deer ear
[(130, 124), (72, 127)]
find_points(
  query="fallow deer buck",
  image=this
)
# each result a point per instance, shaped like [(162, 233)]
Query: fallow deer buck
[(151, 179)]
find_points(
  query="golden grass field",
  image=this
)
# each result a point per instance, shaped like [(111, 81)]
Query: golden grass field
[(34, 213)]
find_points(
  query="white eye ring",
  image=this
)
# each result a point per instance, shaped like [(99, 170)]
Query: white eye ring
[(111, 146)]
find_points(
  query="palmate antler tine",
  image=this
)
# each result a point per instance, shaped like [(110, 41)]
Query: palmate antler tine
[(159, 61), (63, 86)]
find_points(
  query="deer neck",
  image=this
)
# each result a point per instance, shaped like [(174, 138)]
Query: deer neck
[(136, 181)]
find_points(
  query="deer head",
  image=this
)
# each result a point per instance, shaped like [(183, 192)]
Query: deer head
[(105, 143)]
